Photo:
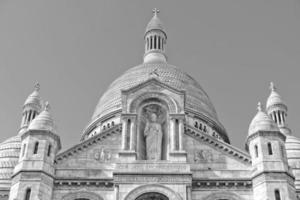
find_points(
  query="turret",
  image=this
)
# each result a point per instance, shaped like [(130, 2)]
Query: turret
[(33, 175), (31, 108), (271, 176), (155, 40), (277, 110)]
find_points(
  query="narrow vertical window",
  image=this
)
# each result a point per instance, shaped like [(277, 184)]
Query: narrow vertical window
[(36, 147), (155, 42), (176, 134), (277, 195), (147, 43), (151, 42), (128, 135), (275, 117), (23, 150), (270, 151), (49, 150), (256, 150), (279, 117), (282, 151), (27, 194), (158, 42), (29, 118)]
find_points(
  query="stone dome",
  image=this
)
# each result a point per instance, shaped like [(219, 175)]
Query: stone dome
[(43, 121), (196, 98), (292, 146), (9, 156), (261, 122)]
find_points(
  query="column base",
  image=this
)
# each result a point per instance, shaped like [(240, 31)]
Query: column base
[(178, 156), (127, 156)]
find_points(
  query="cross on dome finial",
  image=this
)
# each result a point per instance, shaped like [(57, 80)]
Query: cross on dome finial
[(155, 11), (47, 106), (259, 106), (272, 86), (37, 86)]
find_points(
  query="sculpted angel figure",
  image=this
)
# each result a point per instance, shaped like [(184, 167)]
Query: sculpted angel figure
[(153, 137)]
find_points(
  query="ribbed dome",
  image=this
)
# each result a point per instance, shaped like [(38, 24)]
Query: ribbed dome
[(155, 23), (9, 156), (274, 98), (292, 145), (196, 98), (43, 121), (261, 122)]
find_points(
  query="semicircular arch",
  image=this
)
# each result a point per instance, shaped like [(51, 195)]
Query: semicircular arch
[(223, 195), (152, 188), (82, 195)]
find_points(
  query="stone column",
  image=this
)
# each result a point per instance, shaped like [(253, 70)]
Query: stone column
[(172, 134), (124, 133), (180, 134), (133, 134)]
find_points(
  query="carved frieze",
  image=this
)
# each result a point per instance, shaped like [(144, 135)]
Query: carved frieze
[(153, 179)]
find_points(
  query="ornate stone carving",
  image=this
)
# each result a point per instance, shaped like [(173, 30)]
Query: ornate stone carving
[(102, 155), (83, 195), (203, 155)]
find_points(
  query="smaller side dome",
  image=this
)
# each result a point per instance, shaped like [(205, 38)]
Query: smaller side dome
[(274, 98), (43, 121), (155, 23), (34, 98), (261, 122)]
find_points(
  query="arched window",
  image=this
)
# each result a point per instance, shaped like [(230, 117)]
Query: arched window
[(200, 126), (270, 151), (112, 123), (27, 194), (155, 42), (23, 150), (36, 147), (256, 150), (277, 195), (196, 125), (49, 150)]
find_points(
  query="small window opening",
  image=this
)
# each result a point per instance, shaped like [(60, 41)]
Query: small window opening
[(49, 150), (36, 147), (270, 151), (256, 150), (155, 42), (27, 194), (196, 125), (277, 195), (23, 151)]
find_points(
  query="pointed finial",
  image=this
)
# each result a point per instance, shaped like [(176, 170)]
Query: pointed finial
[(272, 86), (155, 11), (37, 86), (47, 106), (259, 106)]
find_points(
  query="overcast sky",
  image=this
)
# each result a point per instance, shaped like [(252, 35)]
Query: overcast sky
[(76, 48)]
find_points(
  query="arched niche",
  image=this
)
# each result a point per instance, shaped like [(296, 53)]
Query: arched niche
[(82, 196), (171, 103), (145, 190), (222, 196), (145, 110)]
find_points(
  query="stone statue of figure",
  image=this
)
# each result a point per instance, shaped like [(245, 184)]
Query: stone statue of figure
[(153, 134)]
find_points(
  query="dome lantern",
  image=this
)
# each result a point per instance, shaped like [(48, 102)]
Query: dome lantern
[(277, 109), (31, 107), (155, 40)]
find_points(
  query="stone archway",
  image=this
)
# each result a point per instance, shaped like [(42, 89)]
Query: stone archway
[(152, 196), (152, 190), (82, 196), (223, 195)]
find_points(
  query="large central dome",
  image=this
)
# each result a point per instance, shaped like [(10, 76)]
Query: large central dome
[(197, 102)]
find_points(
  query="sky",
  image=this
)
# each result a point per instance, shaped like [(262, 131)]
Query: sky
[(76, 48)]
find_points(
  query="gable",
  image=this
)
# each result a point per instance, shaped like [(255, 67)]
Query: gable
[(206, 152)]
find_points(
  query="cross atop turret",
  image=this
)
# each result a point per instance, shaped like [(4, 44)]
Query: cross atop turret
[(155, 11)]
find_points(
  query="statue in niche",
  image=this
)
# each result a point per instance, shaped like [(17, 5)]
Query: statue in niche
[(153, 132)]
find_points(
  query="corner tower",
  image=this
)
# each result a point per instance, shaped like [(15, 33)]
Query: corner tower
[(271, 176), (155, 40)]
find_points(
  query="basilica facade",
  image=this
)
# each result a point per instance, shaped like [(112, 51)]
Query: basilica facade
[(154, 135)]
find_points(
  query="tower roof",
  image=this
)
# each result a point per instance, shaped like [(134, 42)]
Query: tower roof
[(43, 121), (34, 98), (274, 98), (261, 122), (155, 23)]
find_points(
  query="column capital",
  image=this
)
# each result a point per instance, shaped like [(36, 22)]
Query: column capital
[(130, 116), (177, 116)]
